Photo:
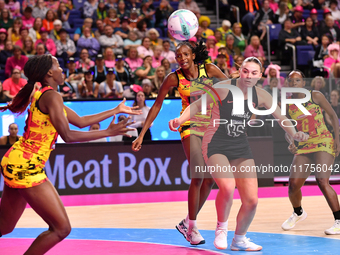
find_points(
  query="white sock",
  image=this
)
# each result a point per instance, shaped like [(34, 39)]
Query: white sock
[(222, 225), (186, 221), (239, 238), (192, 224)]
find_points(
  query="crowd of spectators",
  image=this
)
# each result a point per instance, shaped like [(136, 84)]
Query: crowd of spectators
[(123, 47)]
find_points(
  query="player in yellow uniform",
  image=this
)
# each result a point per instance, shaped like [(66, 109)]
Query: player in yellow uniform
[(191, 80), (315, 155), (23, 164)]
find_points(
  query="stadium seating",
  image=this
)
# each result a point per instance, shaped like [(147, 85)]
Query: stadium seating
[(159, 31), (306, 13), (2, 75), (61, 62), (74, 14), (78, 23), (303, 54), (274, 30)]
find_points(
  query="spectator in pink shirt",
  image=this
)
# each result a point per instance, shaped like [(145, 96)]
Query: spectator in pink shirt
[(84, 62), (167, 53), (157, 58), (28, 20), (14, 7), (16, 60), (133, 60), (333, 59), (273, 71), (273, 5), (212, 48), (254, 49), (12, 85), (23, 36), (145, 49), (49, 43), (110, 58)]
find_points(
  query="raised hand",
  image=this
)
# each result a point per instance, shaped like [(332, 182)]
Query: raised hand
[(122, 108)]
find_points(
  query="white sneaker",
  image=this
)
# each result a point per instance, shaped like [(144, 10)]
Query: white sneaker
[(194, 237), (291, 222), (182, 228), (244, 245), (221, 239), (334, 230)]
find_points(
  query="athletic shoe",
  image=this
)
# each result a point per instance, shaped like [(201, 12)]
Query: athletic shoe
[(221, 239), (194, 237), (182, 228), (291, 222), (244, 245), (334, 230)]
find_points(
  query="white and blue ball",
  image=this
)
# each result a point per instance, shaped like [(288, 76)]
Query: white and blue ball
[(182, 24)]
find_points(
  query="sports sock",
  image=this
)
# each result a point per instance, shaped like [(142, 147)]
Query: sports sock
[(187, 220), (239, 238), (298, 210), (336, 215), (192, 224), (222, 225)]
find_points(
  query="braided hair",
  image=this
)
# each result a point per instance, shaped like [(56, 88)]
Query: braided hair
[(200, 50), (35, 70)]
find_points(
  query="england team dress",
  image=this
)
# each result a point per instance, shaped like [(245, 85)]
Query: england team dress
[(228, 139)]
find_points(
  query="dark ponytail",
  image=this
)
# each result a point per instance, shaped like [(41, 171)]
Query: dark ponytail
[(35, 70), (200, 51)]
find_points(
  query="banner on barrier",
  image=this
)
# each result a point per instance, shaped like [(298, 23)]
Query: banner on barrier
[(93, 168)]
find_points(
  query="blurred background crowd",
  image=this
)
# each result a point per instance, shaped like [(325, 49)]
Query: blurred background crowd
[(115, 48)]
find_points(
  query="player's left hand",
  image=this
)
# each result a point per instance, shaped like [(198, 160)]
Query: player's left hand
[(122, 108), (301, 136), (174, 124)]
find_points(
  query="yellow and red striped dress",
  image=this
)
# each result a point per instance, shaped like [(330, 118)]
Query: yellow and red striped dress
[(320, 138), (23, 164), (191, 91)]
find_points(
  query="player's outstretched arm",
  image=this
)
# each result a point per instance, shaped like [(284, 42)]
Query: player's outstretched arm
[(170, 81), (53, 104), (266, 100), (88, 120)]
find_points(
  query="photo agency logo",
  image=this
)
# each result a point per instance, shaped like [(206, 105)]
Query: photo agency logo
[(238, 105)]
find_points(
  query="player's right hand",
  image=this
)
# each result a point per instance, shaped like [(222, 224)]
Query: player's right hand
[(174, 124), (137, 144), (120, 128)]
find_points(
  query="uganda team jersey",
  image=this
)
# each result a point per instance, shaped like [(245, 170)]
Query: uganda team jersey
[(23, 164), (190, 91), (227, 132), (320, 138)]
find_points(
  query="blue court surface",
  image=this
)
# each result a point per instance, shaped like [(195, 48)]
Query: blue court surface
[(272, 243)]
